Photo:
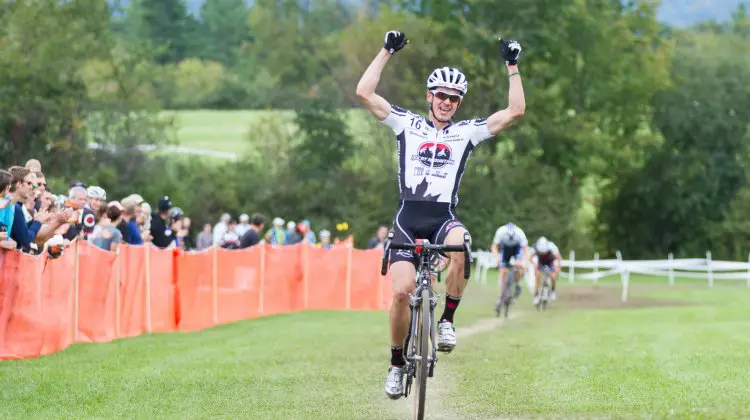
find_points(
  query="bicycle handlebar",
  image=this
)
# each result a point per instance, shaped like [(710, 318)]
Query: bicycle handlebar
[(421, 248), (432, 247)]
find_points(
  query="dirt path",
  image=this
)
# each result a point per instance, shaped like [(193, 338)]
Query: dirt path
[(438, 387)]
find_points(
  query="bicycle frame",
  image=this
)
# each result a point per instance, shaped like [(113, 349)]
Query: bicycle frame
[(507, 291), (423, 289), (545, 287)]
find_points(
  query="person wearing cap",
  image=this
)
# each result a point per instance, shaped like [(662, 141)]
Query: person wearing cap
[(310, 235), (177, 221), (96, 196), (292, 236), (243, 226), (325, 239), (163, 233), (276, 235)]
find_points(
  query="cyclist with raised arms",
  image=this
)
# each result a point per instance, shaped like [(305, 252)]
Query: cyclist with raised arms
[(432, 155), (510, 242), (548, 257)]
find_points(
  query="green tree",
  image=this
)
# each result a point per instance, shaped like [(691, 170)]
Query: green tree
[(688, 183), (316, 181), (42, 98), (162, 23), (224, 29)]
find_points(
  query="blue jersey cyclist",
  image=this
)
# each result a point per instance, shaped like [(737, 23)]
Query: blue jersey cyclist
[(510, 242)]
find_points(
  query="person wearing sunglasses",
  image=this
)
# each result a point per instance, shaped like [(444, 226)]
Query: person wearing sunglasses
[(433, 151)]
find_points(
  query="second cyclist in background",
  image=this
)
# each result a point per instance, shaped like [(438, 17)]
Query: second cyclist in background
[(510, 241), (548, 257)]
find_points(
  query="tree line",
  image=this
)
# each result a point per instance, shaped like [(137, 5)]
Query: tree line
[(635, 136)]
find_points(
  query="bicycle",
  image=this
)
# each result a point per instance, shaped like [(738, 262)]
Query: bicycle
[(508, 294), (544, 293), (420, 356)]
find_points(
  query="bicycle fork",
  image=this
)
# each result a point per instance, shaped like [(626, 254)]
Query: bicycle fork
[(415, 303)]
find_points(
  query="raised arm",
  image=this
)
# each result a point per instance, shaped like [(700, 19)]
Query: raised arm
[(375, 103), (509, 50)]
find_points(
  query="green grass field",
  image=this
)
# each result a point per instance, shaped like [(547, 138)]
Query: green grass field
[(679, 352), (229, 131)]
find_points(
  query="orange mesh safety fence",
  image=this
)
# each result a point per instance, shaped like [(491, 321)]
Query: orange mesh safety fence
[(97, 294), (132, 298), (282, 285), (92, 295), (325, 278), (238, 283), (161, 311), (194, 280)]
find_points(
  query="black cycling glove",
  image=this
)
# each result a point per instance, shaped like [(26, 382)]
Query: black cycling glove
[(510, 50), (394, 41)]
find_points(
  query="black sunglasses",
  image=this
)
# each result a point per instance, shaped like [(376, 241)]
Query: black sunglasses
[(443, 96)]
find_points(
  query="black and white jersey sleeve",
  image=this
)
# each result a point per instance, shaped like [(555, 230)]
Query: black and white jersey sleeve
[(398, 119), (479, 131)]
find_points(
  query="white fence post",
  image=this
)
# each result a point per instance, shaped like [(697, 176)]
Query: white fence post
[(710, 271), (671, 269), (748, 270), (596, 268), (618, 255), (571, 269), (625, 282)]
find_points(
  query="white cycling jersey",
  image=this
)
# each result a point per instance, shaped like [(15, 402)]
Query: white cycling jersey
[(504, 239), (431, 162)]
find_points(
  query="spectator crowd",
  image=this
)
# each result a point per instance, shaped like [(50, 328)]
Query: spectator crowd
[(34, 219)]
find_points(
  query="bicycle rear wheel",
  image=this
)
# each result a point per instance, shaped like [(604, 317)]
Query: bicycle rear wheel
[(422, 363)]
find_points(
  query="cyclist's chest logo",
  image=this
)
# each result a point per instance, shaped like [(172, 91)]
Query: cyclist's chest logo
[(434, 155)]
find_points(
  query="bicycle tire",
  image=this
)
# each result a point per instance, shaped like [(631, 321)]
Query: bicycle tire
[(510, 280), (547, 287), (422, 363)]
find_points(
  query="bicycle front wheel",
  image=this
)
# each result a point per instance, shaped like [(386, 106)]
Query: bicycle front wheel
[(423, 354), (510, 284)]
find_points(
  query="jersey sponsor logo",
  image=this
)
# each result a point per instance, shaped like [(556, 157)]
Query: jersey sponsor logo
[(88, 222), (434, 155), (419, 171), (403, 253), (451, 225), (421, 135)]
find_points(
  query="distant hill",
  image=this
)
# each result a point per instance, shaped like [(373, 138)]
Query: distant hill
[(673, 12), (686, 12)]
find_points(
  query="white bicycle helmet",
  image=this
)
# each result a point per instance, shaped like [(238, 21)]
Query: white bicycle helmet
[(510, 233), (542, 245), (96, 193), (448, 77)]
